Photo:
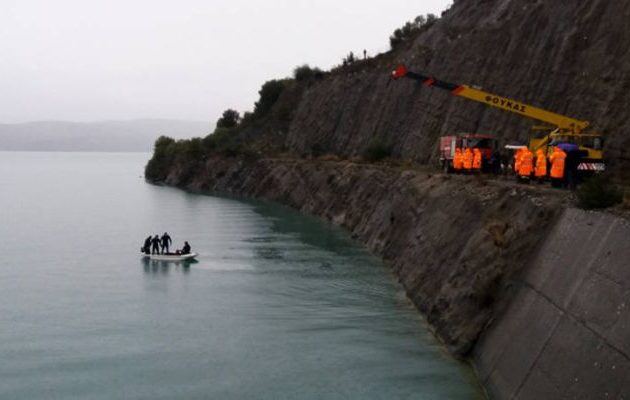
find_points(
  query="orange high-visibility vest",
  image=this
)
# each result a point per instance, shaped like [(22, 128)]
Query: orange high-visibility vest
[(526, 165), (517, 160), (476, 159), (541, 164), (458, 160), (557, 159), (468, 159)]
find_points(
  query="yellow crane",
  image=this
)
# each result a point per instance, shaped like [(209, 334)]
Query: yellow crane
[(559, 128)]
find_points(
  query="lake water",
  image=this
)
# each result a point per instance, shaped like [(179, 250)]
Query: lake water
[(279, 305)]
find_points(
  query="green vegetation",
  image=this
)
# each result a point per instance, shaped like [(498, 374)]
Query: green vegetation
[(223, 141), (167, 151), (411, 29), (306, 73), (597, 192), (163, 154), (377, 150), (265, 128), (269, 94), (233, 134), (230, 119)]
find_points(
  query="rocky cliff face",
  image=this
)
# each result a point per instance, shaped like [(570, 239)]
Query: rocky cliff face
[(472, 254), (570, 57), (454, 242), (534, 293)]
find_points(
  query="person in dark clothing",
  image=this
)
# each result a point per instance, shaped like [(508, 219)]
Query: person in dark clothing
[(505, 163), (186, 248), (166, 242), (495, 162), (574, 158), (146, 249), (155, 242)]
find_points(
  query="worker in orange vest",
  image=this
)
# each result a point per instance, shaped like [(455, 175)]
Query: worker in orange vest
[(526, 165), (557, 159), (476, 165), (517, 160), (541, 166), (468, 159), (458, 160)]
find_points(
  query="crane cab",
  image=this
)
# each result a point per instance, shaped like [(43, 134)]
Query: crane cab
[(591, 146)]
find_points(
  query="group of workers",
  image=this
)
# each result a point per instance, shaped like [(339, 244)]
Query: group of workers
[(526, 166), (467, 159), (160, 245), (560, 167)]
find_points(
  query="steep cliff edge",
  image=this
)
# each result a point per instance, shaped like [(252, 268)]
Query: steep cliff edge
[(535, 293), (455, 243)]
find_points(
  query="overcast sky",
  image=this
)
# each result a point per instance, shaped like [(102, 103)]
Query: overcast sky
[(89, 60)]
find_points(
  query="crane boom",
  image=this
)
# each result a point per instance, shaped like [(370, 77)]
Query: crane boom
[(559, 127), (566, 125)]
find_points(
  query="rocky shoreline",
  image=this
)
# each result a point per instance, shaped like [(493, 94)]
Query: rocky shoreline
[(462, 247), (454, 243)]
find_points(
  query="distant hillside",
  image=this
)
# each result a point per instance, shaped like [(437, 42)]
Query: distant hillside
[(134, 135)]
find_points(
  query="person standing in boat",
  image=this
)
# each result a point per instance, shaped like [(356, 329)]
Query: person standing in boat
[(155, 242), (146, 249), (166, 242)]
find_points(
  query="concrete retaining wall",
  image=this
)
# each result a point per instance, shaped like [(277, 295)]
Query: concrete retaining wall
[(566, 333)]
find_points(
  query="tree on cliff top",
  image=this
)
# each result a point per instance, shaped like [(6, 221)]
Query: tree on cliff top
[(269, 94), (411, 29), (305, 73), (163, 155), (230, 119)]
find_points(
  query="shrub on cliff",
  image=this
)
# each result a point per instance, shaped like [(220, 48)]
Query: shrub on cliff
[(306, 73), (164, 153), (225, 142), (248, 118), (376, 150), (219, 139), (229, 119), (411, 29), (269, 94), (161, 144), (193, 149), (597, 192)]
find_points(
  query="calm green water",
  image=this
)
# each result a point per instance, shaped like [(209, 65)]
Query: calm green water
[(279, 306)]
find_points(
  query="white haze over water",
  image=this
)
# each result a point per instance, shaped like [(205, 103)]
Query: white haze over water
[(190, 59)]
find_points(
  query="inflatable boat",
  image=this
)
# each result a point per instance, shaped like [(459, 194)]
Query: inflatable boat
[(171, 257)]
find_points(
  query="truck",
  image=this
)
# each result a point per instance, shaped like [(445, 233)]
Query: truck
[(557, 129), (487, 144)]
